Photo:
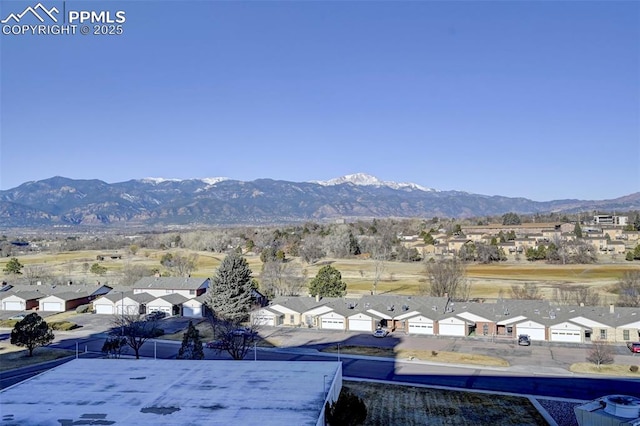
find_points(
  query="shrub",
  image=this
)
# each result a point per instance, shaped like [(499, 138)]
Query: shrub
[(63, 325), (348, 410), (434, 353), (157, 332), (633, 368), (84, 309)]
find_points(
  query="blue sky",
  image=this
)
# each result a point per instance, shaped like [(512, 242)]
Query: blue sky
[(535, 99)]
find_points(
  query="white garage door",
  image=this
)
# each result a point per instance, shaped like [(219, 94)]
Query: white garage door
[(52, 306), (420, 328), (534, 333), (192, 311), (12, 306), (452, 330), (566, 336), (333, 324), (360, 325), (164, 309), (264, 320), (104, 309)]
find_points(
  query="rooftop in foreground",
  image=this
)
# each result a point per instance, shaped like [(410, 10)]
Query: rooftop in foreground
[(152, 392)]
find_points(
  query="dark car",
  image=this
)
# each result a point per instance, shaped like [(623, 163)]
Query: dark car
[(634, 347), (156, 315), (215, 344), (524, 340)]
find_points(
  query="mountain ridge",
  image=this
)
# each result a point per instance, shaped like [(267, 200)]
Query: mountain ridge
[(148, 202)]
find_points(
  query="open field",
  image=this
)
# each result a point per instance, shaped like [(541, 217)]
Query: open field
[(12, 356), (487, 281), (605, 370), (435, 356), (407, 405)]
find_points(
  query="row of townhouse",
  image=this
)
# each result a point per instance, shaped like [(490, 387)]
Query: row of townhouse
[(439, 316), (49, 298), (174, 296)]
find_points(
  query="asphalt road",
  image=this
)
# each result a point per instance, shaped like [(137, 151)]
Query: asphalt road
[(522, 379)]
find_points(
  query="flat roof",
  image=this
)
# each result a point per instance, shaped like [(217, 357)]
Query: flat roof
[(181, 392)]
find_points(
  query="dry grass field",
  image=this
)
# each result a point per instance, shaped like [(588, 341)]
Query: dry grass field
[(407, 405), (605, 370), (487, 281)]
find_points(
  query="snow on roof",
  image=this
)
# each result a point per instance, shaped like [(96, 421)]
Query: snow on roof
[(152, 392)]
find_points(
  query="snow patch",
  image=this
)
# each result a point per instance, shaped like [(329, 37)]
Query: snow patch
[(364, 179)]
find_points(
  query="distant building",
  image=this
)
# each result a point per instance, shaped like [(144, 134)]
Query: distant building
[(607, 219)]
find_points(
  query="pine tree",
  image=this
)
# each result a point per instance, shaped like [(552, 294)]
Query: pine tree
[(230, 290), (191, 344), (328, 282), (31, 332)]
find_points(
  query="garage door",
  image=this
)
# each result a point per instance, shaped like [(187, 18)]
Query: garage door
[(52, 306), (360, 325), (160, 308), (452, 330), (534, 333), (12, 306), (333, 324), (264, 320), (420, 328), (566, 336), (192, 311), (104, 309)]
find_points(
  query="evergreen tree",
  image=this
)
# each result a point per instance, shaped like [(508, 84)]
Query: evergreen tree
[(577, 230), (230, 290), (31, 332), (191, 344), (348, 410), (511, 219), (328, 282), (13, 266)]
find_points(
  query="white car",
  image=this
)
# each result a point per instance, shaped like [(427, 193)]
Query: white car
[(381, 332)]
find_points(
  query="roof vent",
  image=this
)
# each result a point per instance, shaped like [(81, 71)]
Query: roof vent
[(405, 307), (434, 308), (352, 305), (390, 308)]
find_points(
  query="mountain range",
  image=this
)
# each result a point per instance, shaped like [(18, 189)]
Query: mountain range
[(61, 201)]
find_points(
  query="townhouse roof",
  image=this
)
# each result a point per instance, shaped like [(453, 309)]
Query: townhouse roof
[(174, 298), (171, 283), (25, 295)]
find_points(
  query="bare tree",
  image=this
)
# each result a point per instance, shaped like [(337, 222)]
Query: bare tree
[(231, 336), (628, 289), (132, 273), (527, 291), (35, 273), (447, 277), (180, 266), (282, 278), (601, 353), (311, 249), (135, 329)]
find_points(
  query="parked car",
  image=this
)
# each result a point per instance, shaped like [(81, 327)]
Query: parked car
[(634, 347), (381, 332), (244, 331), (214, 344), (18, 317), (524, 340), (156, 315)]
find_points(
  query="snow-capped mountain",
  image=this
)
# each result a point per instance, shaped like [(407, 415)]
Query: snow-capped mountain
[(61, 201), (364, 179)]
